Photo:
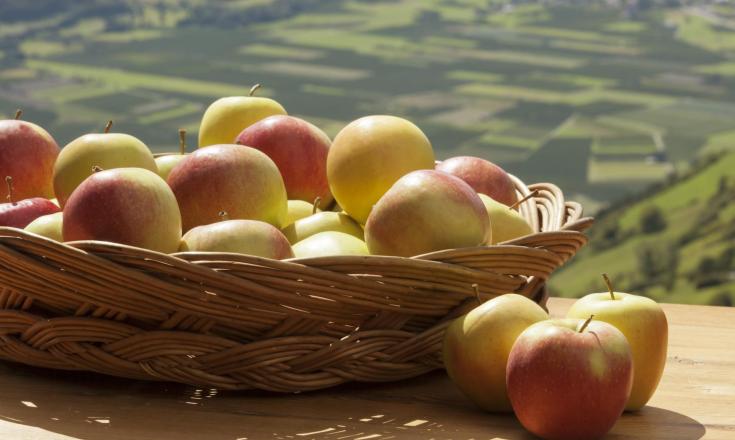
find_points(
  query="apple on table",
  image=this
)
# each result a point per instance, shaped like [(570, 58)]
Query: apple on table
[(644, 324), (569, 379)]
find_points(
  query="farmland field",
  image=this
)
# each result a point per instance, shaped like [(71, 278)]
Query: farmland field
[(601, 100)]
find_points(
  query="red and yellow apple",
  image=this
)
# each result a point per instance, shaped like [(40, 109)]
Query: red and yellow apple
[(131, 206), (569, 379), (28, 153), (240, 180), (251, 237), (369, 155), (18, 214), (477, 345), (426, 211), (644, 324), (483, 176), (299, 150)]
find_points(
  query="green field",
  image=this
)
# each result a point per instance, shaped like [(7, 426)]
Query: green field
[(600, 100)]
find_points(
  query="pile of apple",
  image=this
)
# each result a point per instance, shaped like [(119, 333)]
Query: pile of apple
[(565, 379), (256, 185)]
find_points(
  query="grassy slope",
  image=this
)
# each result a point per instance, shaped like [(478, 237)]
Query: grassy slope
[(684, 204)]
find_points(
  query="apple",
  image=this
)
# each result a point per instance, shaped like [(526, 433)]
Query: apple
[(251, 237), (426, 211), (329, 243), (168, 162), (226, 117), (644, 324), (369, 155), (28, 153), (18, 214), (505, 222), (131, 206), (569, 378), (49, 226), (240, 180), (105, 150), (299, 150), (477, 345), (298, 209), (483, 176), (321, 222)]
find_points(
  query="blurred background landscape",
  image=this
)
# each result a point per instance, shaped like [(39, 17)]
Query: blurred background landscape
[(628, 106)]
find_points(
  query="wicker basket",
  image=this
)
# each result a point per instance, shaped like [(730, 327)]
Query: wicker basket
[(238, 322)]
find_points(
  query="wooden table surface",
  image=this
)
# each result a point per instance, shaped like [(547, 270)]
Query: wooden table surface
[(696, 399)]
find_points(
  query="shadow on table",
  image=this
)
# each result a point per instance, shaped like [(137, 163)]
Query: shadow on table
[(95, 407), (658, 423)]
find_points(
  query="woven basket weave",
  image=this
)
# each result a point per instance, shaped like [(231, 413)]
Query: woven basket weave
[(238, 322)]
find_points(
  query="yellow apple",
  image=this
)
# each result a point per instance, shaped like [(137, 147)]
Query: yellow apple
[(49, 226), (168, 162), (644, 323), (251, 237), (104, 150), (330, 243), (369, 155), (322, 222), (298, 209), (477, 346), (226, 117), (505, 223)]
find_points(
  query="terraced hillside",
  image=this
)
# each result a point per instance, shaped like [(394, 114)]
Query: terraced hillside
[(601, 100), (677, 238)]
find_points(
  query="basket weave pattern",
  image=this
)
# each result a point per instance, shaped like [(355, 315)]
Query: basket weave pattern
[(238, 322)]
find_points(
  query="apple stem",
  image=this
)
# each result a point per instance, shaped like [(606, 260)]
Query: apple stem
[(476, 288), (317, 201), (108, 126), (97, 169), (609, 285), (586, 323), (9, 182), (533, 193), (223, 215), (253, 89), (18, 114), (182, 141)]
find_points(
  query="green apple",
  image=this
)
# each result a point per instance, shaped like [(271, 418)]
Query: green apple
[(167, 162), (369, 155), (131, 206), (426, 211), (226, 117), (321, 222), (477, 346), (644, 324), (49, 226), (505, 222), (251, 237), (329, 243), (298, 209), (105, 150)]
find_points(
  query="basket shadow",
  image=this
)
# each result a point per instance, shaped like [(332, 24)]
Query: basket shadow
[(95, 407)]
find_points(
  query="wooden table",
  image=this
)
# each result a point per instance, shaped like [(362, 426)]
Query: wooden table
[(696, 399)]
